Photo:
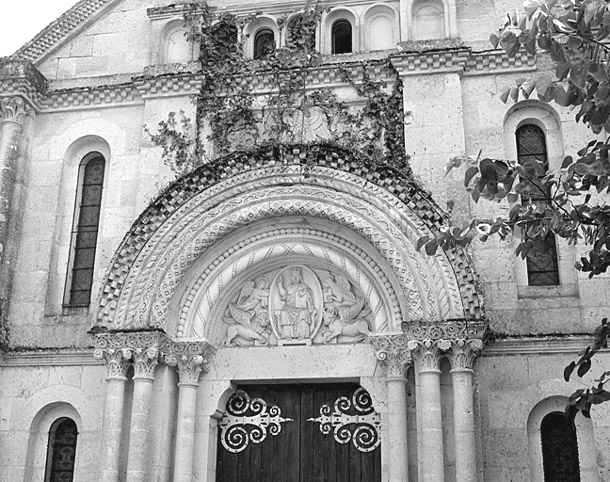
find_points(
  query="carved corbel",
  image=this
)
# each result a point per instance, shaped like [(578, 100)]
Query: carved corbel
[(14, 109), (191, 358), (393, 353), (427, 353), (464, 353)]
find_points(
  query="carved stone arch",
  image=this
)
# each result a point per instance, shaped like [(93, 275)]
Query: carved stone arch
[(378, 211)]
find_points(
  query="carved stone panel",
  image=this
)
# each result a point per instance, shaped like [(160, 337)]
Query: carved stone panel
[(296, 305)]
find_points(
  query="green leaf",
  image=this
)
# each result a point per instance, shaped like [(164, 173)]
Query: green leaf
[(584, 368), (421, 241), (494, 40), (567, 372), (470, 173), (431, 247)]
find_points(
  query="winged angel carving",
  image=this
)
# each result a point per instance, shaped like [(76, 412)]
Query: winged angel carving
[(301, 304), (344, 314), (248, 318)]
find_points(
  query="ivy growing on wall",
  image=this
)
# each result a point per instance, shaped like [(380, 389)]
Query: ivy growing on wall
[(232, 115)]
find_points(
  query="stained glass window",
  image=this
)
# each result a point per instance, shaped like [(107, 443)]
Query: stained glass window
[(559, 449), (61, 451), (85, 230), (342, 37), (542, 264)]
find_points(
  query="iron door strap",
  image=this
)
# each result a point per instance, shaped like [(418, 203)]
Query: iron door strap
[(354, 420), (249, 420)]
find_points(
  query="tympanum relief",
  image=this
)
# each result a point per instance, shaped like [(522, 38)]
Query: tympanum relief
[(296, 305)]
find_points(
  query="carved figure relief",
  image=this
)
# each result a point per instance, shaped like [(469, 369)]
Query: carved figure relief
[(297, 305)]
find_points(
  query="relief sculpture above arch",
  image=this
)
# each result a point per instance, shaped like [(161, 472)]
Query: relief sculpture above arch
[(296, 305)]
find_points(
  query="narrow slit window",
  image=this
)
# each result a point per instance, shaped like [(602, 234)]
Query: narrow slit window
[(84, 233), (342, 37), (264, 43), (61, 451), (542, 264)]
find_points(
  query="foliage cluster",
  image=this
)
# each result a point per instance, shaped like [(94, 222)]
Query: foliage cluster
[(569, 202), (231, 115)]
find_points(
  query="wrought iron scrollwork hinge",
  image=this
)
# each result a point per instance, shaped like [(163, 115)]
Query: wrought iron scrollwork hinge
[(354, 420), (249, 420)]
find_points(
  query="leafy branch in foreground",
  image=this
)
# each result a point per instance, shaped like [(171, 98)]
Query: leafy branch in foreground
[(569, 202)]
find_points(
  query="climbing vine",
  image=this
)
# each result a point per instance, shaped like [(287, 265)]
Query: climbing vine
[(232, 114)]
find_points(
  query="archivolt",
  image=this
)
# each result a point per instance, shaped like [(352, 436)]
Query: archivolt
[(197, 212)]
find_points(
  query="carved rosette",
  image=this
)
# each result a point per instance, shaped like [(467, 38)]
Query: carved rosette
[(14, 109), (464, 353), (392, 351), (191, 358)]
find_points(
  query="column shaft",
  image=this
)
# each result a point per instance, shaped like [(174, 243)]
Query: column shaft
[(113, 423), (137, 456), (463, 420), (397, 429), (432, 457), (185, 432)]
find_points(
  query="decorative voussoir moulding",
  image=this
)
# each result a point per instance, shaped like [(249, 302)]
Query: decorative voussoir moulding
[(393, 352), (464, 353), (191, 358), (249, 420), (14, 109), (128, 274), (354, 420)]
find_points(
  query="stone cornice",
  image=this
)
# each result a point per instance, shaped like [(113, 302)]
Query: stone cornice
[(18, 77), (544, 345), (58, 357)]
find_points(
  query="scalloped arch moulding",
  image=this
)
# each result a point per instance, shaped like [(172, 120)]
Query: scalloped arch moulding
[(250, 221)]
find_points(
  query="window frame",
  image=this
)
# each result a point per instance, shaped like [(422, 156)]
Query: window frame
[(333, 39), (68, 301), (52, 448)]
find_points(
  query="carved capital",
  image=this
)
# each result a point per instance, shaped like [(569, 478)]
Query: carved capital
[(117, 362), (140, 348), (144, 363), (427, 353), (191, 358), (14, 109), (393, 353), (464, 353)]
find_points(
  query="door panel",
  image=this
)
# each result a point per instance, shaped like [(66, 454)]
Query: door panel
[(300, 452)]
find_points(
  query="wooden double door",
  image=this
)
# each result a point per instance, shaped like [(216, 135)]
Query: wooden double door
[(272, 433)]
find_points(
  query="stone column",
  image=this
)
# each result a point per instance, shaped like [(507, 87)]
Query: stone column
[(463, 355), (13, 114), (117, 361), (191, 358), (144, 362), (392, 352), (426, 354)]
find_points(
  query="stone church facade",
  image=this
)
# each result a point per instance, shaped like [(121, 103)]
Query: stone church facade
[(267, 316)]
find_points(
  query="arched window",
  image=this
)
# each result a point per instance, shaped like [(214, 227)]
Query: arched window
[(559, 449), (542, 265), (341, 36), (301, 33), (264, 43), (178, 47), (428, 20), (85, 229), (61, 451)]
